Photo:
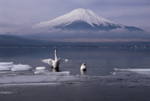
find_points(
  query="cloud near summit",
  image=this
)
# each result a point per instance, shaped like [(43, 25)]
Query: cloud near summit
[(74, 34)]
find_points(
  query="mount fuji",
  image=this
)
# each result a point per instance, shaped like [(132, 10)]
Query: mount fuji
[(82, 19)]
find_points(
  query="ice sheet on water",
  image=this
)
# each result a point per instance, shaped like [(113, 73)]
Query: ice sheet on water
[(127, 77), (6, 63), (41, 71), (40, 68), (139, 71), (8, 92), (132, 70), (10, 78), (117, 78), (6, 66), (42, 76), (21, 67), (60, 73), (25, 79), (29, 84)]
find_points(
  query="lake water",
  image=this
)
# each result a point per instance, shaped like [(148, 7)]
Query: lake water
[(99, 61)]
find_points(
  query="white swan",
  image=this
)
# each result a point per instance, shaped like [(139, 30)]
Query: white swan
[(83, 67), (55, 63)]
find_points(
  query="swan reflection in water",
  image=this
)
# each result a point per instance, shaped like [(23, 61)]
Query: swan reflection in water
[(55, 70), (83, 72)]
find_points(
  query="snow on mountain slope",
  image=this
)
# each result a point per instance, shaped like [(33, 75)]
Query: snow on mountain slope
[(82, 19), (79, 14)]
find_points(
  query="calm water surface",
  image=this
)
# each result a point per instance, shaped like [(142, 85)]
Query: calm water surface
[(99, 61)]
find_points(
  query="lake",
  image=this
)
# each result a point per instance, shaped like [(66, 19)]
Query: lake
[(99, 61), (114, 73)]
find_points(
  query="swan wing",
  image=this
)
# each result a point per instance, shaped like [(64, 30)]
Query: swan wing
[(64, 60), (48, 61)]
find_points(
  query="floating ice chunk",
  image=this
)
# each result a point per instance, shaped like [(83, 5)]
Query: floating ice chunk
[(62, 73), (5, 68), (133, 70), (139, 71), (8, 92), (21, 67), (6, 63), (17, 80), (28, 84), (40, 68), (40, 72)]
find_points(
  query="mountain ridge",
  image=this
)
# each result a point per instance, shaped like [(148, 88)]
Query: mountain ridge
[(18, 41), (85, 18)]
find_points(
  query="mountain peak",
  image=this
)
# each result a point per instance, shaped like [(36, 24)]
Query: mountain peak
[(81, 19), (81, 10), (88, 16), (79, 14)]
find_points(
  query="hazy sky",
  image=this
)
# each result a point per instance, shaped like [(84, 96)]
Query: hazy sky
[(19, 14)]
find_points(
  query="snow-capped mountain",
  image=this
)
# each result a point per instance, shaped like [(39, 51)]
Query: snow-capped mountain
[(82, 19)]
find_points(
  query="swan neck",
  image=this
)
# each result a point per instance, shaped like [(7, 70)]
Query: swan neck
[(55, 55)]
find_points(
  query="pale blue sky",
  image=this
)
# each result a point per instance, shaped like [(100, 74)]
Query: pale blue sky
[(18, 14)]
